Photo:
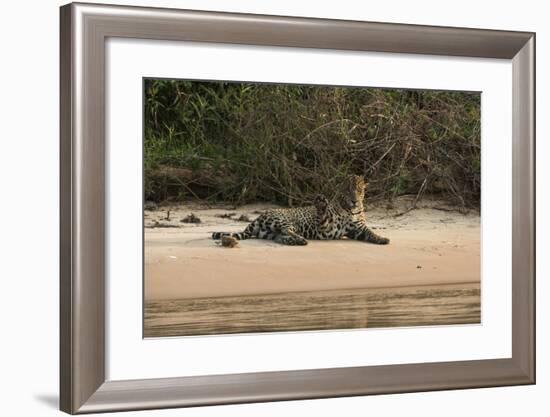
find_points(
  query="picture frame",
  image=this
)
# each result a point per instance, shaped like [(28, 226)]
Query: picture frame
[(84, 29)]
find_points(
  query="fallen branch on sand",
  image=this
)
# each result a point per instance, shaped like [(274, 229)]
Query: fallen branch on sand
[(157, 224)]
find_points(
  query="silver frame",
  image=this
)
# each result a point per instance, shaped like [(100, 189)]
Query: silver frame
[(84, 30)]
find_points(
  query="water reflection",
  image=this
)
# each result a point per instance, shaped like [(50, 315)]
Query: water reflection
[(320, 310)]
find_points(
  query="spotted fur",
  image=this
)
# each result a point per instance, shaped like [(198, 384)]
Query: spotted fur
[(322, 221), (346, 218), (291, 226)]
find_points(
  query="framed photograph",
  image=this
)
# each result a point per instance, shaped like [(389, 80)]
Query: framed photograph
[(261, 208)]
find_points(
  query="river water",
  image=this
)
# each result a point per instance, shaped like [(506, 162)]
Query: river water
[(317, 310)]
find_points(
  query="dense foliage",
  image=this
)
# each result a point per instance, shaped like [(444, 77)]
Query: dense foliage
[(244, 142)]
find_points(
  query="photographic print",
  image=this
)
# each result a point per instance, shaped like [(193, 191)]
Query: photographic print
[(283, 207)]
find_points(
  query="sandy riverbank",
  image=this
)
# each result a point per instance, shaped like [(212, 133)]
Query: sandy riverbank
[(429, 246)]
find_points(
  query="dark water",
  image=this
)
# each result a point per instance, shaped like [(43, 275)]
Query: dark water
[(319, 310)]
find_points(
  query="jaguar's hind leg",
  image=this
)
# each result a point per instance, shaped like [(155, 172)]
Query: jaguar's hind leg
[(321, 203), (324, 218), (290, 237), (290, 240)]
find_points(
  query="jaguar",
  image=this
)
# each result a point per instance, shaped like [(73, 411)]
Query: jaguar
[(324, 220)]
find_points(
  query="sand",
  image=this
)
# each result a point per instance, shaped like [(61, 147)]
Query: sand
[(429, 246)]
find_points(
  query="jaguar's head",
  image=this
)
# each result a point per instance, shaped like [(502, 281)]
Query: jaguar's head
[(353, 193)]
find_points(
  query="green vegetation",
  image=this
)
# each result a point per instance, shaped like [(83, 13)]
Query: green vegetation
[(244, 142)]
